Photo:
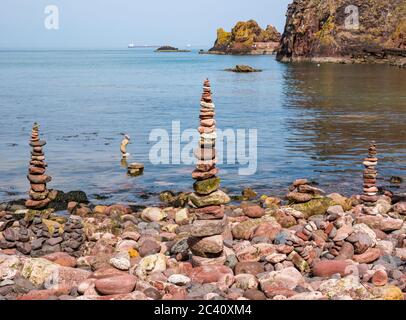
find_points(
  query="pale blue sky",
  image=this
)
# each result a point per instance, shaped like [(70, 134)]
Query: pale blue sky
[(115, 23)]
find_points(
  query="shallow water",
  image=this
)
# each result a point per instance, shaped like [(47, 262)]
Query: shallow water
[(312, 122)]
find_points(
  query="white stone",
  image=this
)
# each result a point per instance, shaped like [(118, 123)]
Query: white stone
[(179, 279), (121, 261), (153, 214)]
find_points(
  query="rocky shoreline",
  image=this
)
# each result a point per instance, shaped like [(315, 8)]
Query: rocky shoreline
[(308, 246)]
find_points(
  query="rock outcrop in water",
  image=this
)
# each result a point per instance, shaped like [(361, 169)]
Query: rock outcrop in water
[(330, 31), (36, 173), (246, 38), (243, 69)]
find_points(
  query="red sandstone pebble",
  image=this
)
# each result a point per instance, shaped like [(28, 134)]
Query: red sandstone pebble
[(380, 278), (368, 256)]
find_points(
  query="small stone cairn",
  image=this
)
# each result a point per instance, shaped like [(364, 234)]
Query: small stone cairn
[(207, 202), (301, 192), (31, 234), (133, 169), (370, 174), (36, 173)]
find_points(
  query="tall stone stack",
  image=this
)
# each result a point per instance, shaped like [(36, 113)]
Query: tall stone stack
[(370, 173), (36, 173), (207, 202)]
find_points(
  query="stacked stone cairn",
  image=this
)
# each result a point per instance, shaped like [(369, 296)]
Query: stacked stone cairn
[(133, 169), (370, 173), (207, 202), (36, 173), (301, 192), (36, 236)]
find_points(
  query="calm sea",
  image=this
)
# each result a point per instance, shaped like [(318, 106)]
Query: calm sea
[(312, 121)]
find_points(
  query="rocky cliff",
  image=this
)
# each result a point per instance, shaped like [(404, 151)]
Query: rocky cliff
[(246, 38), (345, 31)]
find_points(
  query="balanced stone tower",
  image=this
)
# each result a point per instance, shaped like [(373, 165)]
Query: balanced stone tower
[(123, 146), (370, 173), (36, 173), (207, 202)]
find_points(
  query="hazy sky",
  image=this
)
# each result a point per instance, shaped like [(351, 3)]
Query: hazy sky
[(115, 23)]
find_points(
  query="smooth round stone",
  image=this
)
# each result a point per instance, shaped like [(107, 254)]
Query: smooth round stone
[(39, 143), (206, 129), (207, 246), (254, 294), (208, 123), (149, 247), (205, 165), (119, 284), (39, 179)]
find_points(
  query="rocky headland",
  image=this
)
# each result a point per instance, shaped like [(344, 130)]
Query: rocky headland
[(246, 38), (331, 31)]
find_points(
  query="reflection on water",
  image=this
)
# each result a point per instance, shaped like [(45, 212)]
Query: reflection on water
[(312, 122), (341, 107)]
